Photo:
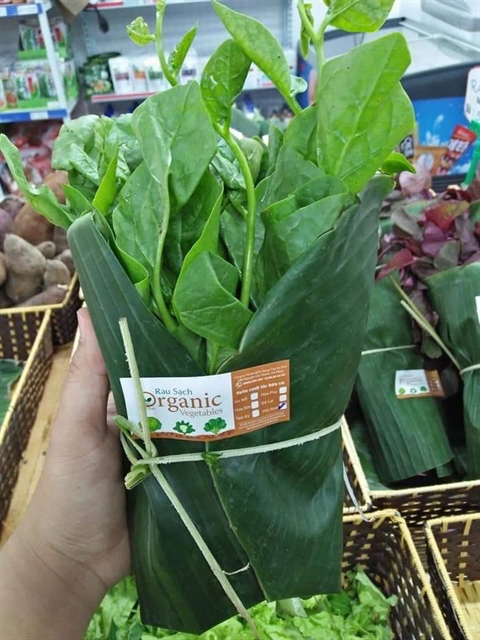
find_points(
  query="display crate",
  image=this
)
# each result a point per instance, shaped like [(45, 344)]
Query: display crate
[(16, 427), (18, 323), (357, 498), (453, 552), (417, 505), (384, 548)]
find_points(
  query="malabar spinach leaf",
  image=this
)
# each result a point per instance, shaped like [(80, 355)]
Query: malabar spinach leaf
[(176, 138), (223, 79), (180, 52), (359, 15)]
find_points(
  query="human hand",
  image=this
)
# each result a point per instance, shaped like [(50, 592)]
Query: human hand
[(72, 543)]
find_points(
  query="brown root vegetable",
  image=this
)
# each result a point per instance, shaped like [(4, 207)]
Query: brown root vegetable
[(29, 224), (3, 269), (5, 301), (56, 273), (6, 224), (66, 258), (48, 249), (60, 239), (26, 266), (52, 295), (12, 205)]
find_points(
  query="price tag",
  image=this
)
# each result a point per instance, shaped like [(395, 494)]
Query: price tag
[(39, 115), (472, 97), (24, 9), (418, 383)]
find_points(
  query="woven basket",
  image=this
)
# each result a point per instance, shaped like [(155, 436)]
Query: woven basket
[(25, 320), (355, 481), (421, 504), (453, 551), (384, 548), (16, 427)]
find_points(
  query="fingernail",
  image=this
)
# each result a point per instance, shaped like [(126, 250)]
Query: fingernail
[(82, 326)]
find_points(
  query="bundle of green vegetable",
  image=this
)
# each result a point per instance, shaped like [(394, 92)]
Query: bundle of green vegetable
[(360, 611), (221, 255)]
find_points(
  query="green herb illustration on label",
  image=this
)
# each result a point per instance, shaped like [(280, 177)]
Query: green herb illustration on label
[(154, 424), (215, 425), (424, 389), (185, 428), (401, 391)]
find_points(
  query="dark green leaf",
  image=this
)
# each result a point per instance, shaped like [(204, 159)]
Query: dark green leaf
[(179, 53), (226, 166), (168, 126), (78, 203), (138, 216), (204, 300), (275, 142), (359, 15), (41, 198), (258, 44), (107, 189), (187, 223), (301, 134), (363, 109), (223, 79)]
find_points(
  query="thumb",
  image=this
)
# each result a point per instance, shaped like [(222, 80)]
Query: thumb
[(83, 405)]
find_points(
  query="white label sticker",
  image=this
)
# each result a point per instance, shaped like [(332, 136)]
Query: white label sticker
[(472, 97), (477, 304), (213, 407), (418, 383)]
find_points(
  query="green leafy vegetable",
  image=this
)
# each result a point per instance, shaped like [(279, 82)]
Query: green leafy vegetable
[(223, 254), (359, 15), (10, 371), (139, 32)]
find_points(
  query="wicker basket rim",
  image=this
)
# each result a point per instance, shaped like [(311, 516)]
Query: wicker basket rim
[(366, 502), (44, 327), (396, 493), (377, 518), (44, 307), (441, 567), (462, 517)]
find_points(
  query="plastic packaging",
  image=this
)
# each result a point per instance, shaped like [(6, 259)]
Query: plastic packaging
[(122, 77), (155, 80)]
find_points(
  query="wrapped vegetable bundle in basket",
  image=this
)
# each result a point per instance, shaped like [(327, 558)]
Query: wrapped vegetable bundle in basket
[(419, 447), (237, 277)]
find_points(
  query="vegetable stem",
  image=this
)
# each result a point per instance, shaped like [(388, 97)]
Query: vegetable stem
[(165, 314), (172, 80), (132, 365), (248, 257)]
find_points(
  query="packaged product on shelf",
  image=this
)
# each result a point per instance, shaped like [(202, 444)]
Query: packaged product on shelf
[(96, 74), (139, 75), (10, 90), (154, 71), (32, 44), (26, 83), (121, 73)]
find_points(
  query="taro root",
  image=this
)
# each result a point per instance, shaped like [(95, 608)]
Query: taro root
[(66, 258), (3, 269), (6, 223), (52, 295), (56, 273), (26, 266), (60, 239), (48, 249)]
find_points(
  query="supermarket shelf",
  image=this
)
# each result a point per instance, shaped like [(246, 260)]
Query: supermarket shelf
[(31, 9), (128, 4), (119, 97), (125, 97), (30, 115)]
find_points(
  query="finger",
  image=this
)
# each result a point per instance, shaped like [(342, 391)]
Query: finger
[(83, 406)]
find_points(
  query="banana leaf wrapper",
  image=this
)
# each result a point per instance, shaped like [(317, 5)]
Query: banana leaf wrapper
[(408, 436), (278, 514), (455, 296)]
